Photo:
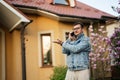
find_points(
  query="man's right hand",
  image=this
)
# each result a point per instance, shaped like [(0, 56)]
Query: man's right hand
[(58, 41)]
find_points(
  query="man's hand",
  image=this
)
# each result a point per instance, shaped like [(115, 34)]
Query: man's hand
[(72, 38), (58, 41)]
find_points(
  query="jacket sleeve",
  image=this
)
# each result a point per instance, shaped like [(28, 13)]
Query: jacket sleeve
[(81, 46), (65, 51)]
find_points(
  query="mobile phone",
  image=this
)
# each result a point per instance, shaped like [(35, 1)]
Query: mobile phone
[(72, 34)]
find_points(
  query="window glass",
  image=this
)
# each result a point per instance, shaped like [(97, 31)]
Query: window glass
[(65, 2)]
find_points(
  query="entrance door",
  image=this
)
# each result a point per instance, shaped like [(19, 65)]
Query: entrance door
[(2, 55)]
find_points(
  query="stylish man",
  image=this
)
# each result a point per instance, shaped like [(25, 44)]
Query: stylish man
[(77, 48)]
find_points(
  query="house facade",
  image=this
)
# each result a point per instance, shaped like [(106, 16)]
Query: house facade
[(111, 27), (10, 58), (27, 51)]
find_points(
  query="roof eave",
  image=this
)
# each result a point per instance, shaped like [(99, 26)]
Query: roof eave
[(8, 12), (110, 20), (109, 17), (56, 16)]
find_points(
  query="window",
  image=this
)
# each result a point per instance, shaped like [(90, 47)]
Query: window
[(46, 51), (66, 35), (71, 3), (60, 2)]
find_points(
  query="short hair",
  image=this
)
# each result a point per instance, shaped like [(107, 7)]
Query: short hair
[(79, 23)]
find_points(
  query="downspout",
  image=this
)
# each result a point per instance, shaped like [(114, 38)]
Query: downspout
[(23, 54)]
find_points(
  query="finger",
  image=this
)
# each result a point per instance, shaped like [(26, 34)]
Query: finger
[(59, 40), (55, 41)]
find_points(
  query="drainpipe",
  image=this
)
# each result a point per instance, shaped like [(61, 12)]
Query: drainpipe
[(23, 54)]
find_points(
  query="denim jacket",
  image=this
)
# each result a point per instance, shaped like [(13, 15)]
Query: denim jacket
[(77, 52)]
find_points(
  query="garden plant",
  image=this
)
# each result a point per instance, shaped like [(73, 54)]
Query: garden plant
[(100, 54)]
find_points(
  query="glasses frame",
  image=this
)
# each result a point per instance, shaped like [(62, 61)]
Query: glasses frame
[(76, 28)]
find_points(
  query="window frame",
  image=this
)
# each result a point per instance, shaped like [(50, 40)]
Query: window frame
[(48, 34), (40, 54), (71, 3), (55, 2)]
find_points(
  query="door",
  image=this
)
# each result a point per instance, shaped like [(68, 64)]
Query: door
[(2, 55)]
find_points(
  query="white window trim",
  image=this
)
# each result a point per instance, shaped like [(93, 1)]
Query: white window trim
[(39, 48), (3, 54)]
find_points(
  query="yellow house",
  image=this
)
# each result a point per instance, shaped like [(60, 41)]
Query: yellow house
[(26, 48)]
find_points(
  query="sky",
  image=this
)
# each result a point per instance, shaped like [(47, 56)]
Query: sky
[(104, 5)]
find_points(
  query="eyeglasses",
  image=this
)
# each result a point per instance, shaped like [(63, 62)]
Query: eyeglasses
[(76, 28)]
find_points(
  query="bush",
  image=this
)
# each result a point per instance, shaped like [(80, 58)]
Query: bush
[(115, 46), (59, 73)]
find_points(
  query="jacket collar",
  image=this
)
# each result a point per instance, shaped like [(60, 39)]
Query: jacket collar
[(80, 35)]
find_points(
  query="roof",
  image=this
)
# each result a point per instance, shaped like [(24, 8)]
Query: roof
[(81, 9)]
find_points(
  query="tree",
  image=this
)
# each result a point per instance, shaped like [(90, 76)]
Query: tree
[(99, 57)]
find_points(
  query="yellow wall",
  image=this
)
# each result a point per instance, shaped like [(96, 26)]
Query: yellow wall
[(13, 56), (34, 72), (0, 55), (111, 27)]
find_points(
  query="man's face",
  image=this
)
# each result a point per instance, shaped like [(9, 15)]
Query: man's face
[(77, 29)]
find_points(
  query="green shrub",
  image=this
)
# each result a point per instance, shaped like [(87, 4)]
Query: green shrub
[(59, 73)]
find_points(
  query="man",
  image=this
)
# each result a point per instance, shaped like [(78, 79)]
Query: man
[(77, 48)]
